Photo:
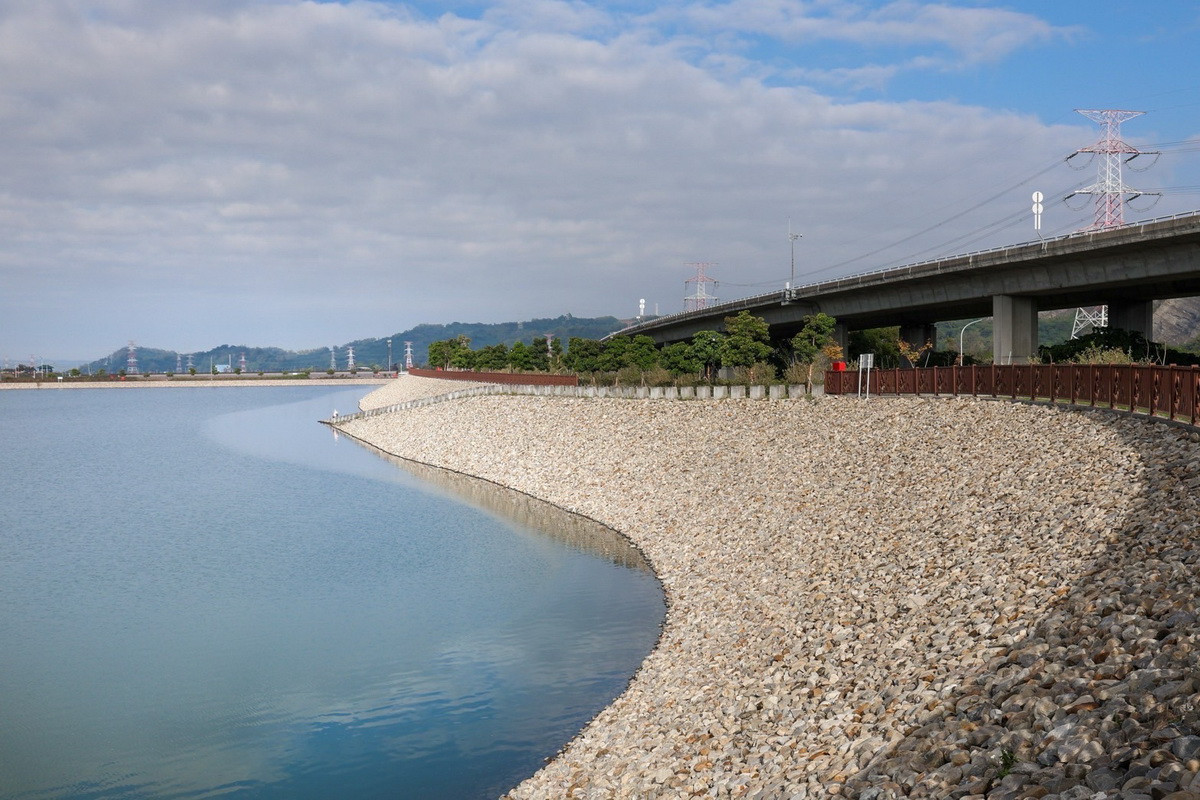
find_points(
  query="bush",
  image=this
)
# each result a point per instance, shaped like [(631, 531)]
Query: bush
[(1094, 354), (628, 376), (658, 376)]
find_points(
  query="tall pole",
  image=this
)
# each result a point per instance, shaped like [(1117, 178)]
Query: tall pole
[(792, 237), (960, 338), (389, 369)]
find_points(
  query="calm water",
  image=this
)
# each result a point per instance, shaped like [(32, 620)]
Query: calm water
[(203, 593)]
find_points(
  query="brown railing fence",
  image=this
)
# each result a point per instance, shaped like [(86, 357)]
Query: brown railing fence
[(1170, 391)]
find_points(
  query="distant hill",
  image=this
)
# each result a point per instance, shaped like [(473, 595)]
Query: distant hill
[(367, 352)]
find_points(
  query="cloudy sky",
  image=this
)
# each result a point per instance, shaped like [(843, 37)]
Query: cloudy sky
[(302, 174)]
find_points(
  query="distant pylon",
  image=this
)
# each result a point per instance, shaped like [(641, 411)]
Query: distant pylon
[(407, 356), (178, 362), (1109, 189), (333, 359), (699, 297), (131, 367), (350, 359), (242, 363), (190, 364)]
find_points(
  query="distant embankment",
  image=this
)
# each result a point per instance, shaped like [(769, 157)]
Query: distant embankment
[(169, 384)]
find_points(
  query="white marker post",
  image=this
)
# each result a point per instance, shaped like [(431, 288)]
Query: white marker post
[(1037, 211)]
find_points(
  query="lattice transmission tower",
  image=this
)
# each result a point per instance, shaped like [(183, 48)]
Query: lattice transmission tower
[(698, 288), (1110, 191), (131, 367), (407, 356)]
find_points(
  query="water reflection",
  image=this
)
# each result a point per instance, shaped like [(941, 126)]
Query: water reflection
[(574, 530)]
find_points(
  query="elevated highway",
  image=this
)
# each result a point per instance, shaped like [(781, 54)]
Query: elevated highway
[(1125, 268)]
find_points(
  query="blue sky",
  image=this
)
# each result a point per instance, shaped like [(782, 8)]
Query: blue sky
[(300, 174)]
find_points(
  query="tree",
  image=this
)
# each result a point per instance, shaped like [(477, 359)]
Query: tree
[(913, 354), (583, 355), (615, 354), (706, 350), (539, 359), (494, 357), (519, 357), (463, 358), (440, 353), (679, 359), (643, 353), (880, 341), (747, 340), (454, 352), (814, 342)]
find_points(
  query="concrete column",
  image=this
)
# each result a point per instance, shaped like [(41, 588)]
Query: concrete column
[(1014, 329), (917, 335), (1137, 316), (841, 335)]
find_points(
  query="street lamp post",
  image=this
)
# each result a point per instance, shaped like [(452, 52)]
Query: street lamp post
[(792, 237), (960, 338)]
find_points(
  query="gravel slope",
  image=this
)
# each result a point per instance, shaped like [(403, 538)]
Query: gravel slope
[(900, 597)]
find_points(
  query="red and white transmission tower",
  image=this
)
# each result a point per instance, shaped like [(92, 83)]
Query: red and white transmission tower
[(1109, 189), (242, 363), (699, 296)]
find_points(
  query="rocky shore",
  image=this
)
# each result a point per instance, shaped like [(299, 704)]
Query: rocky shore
[(893, 598)]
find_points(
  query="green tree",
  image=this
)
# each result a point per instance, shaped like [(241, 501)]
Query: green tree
[(539, 357), (494, 357), (615, 354), (706, 350), (814, 343), (881, 342), (643, 353), (519, 357), (747, 340), (583, 355), (463, 358), (440, 353), (679, 359)]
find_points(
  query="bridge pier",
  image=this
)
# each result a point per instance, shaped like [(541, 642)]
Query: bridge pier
[(1014, 329), (1136, 316), (916, 335), (841, 336)]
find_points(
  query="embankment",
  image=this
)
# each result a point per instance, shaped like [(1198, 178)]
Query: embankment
[(901, 597)]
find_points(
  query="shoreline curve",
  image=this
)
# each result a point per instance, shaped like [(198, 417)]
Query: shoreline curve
[(879, 599)]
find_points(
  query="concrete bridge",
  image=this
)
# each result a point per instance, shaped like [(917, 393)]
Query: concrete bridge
[(1125, 268)]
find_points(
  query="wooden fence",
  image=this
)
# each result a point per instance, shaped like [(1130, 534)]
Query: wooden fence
[(1172, 392)]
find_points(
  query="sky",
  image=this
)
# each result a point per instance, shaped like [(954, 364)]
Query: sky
[(304, 174)]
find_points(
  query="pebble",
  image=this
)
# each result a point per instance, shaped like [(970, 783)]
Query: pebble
[(904, 597)]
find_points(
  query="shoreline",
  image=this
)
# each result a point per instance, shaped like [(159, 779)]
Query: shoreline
[(194, 383), (927, 626)]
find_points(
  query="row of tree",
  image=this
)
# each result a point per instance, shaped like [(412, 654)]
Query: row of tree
[(745, 342), (541, 355)]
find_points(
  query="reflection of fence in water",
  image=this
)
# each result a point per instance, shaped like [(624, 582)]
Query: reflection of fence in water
[(573, 530)]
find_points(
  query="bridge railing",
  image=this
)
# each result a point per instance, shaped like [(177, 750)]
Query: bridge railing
[(1162, 391)]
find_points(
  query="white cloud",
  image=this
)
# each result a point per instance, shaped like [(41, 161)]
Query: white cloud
[(972, 34), (545, 158)]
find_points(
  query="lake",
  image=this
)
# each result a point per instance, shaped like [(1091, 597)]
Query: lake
[(204, 593)]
